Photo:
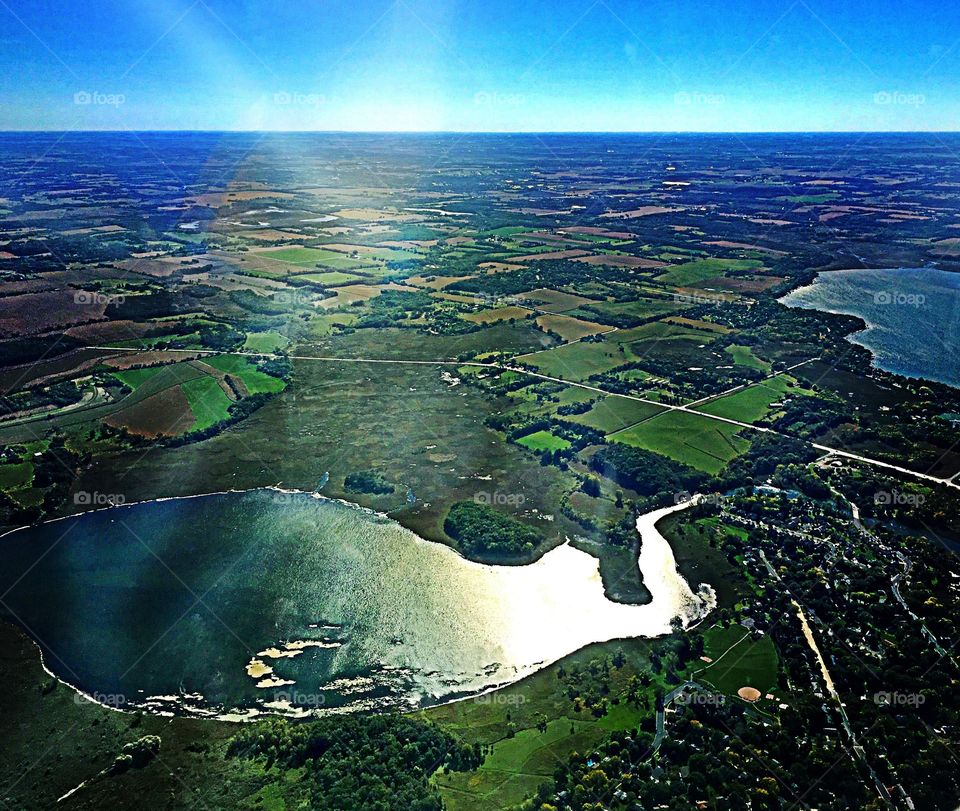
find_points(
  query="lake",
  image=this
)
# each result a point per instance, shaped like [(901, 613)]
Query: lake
[(912, 316), (275, 601)]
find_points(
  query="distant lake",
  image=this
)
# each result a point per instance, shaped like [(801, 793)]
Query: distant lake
[(289, 602), (912, 316)]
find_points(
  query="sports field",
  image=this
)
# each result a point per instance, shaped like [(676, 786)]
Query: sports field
[(739, 661)]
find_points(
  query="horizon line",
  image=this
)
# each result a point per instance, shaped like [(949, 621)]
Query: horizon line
[(470, 132)]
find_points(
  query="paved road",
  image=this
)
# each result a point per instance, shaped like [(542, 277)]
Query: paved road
[(668, 699)]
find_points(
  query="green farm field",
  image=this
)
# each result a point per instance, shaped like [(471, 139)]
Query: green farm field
[(705, 444), (208, 402), (745, 356), (257, 382), (702, 269), (330, 278), (266, 342), (753, 403), (578, 361), (310, 257), (543, 441), (612, 414)]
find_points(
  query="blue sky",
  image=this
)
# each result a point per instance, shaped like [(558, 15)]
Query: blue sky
[(471, 65)]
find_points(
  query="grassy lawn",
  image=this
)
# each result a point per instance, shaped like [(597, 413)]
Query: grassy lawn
[(16, 476), (701, 443), (749, 664), (744, 356), (702, 269), (520, 762), (753, 403), (257, 382), (208, 402), (611, 414), (543, 441), (517, 766)]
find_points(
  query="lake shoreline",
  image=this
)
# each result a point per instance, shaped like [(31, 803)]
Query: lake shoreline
[(194, 705), (885, 357)]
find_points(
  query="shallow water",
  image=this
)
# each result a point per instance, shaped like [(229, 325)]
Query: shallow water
[(287, 601), (912, 316)]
